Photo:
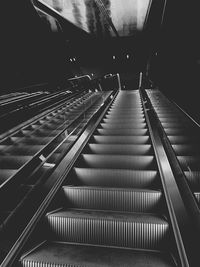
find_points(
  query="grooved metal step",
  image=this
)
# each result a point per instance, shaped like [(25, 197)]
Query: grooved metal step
[(197, 195), (6, 173), (119, 149), (193, 178), (120, 139), (116, 177), (33, 140), (173, 120), (23, 150), (173, 125), (130, 230), (118, 161), (176, 131), (127, 111), (115, 199), (134, 125), (121, 120), (120, 116), (52, 254), (186, 150), (13, 162), (180, 139), (189, 162), (126, 119), (117, 131)]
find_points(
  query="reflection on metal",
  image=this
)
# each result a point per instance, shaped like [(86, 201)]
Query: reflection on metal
[(129, 16), (49, 165), (106, 15), (103, 17), (42, 158), (119, 81), (163, 13), (51, 21), (80, 77), (140, 80)]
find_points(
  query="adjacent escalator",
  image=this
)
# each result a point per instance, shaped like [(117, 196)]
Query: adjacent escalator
[(183, 134)]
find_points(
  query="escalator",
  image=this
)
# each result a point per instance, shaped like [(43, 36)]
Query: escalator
[(54, 135), (183, 134), (112, 208), (182, 144)]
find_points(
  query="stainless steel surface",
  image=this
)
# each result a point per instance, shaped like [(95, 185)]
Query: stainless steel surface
[(126, 16)]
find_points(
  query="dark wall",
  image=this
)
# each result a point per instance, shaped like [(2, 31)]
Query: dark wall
[(30, 52), (175, 65), (98, 54)]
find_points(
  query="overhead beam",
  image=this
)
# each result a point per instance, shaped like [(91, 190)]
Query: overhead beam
[(104, 11)]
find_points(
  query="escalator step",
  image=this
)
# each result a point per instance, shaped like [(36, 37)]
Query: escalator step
[(191, 163), (40, 133), (118, 131), (6, 173), (131, 230), (182, 139), (174, 125), (33, 140), (117, 110), (125, 119), (118, 161), (116, 177), (115, 199), (24, 150), (125, 149), (176, 131), (169, 115), (167, 112), (197, 195), (173, 119), (118, 120), (120, 116), (52, 254), (185, 150), (134, 125), (109, 139), (193, 178), (13, 162)]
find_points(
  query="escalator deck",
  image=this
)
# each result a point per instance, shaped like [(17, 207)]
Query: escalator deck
[(113, 210)]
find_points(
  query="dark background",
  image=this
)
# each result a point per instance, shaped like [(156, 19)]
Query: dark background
[(32, 53)]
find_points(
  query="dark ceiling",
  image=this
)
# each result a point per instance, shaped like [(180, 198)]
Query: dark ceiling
[(113, 34), (38, 47)]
